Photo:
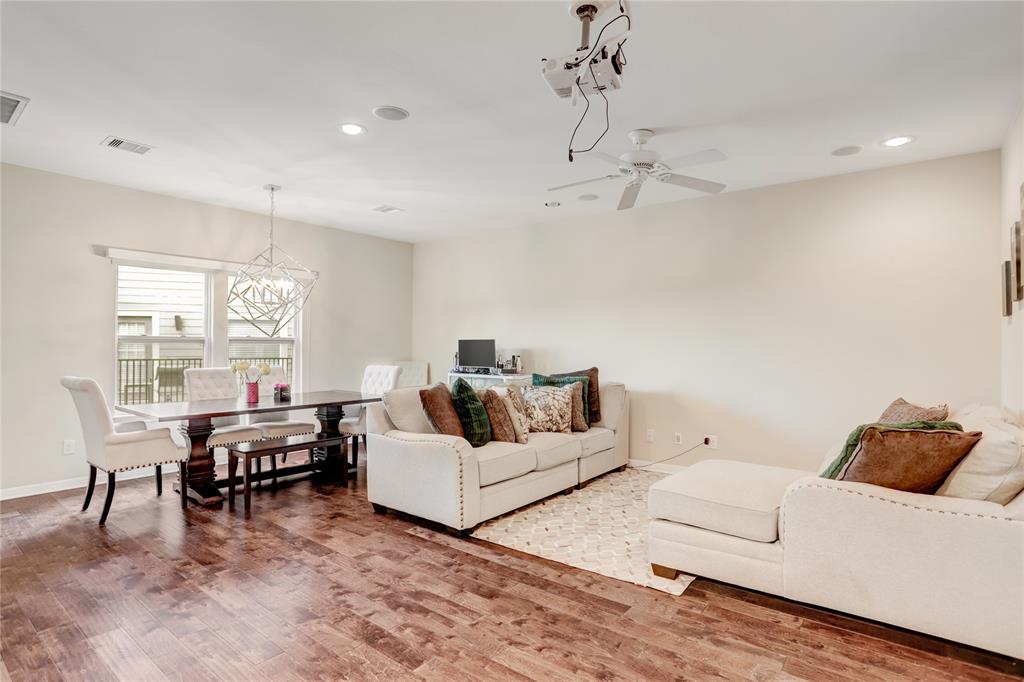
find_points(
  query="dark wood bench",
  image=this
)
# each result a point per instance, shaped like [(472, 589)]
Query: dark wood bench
[(271, 447)]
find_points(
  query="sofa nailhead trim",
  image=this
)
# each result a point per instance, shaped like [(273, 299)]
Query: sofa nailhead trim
[(462, 505), (782, 516)]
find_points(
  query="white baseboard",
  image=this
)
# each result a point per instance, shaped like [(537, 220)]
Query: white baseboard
[(655, 466), (72, 483)]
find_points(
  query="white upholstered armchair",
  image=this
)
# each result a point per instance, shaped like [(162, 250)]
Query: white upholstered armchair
[(111, 451), (377, 380)]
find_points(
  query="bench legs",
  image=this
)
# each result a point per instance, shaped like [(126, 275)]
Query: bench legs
[(664, 571), (247, 486), (232, 466)]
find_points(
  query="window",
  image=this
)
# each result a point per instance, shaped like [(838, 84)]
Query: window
[(247, 341), (161, 331), (166, 324)]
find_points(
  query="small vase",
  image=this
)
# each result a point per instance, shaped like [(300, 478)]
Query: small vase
[(252, 393)]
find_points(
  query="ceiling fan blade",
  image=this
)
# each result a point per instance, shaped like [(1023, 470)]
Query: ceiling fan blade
[(614, 160), (629, 195), (583, 182), (692, 183), (696, 159)]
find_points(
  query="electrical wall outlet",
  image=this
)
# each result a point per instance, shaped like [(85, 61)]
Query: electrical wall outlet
[(69, 447), (711, 441), (678, 438), (650, 435)]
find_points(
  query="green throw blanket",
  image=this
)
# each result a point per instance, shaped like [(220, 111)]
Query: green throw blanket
[(854, 439)]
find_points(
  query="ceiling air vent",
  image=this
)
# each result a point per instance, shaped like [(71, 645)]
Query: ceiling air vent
[(125, 145), (384, 208), (11, 106)]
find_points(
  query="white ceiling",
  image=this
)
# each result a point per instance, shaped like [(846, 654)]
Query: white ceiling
[(236, 95)]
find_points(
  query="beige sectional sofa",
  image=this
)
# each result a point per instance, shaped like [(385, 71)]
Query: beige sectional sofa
[(442, 478), (940, 564)]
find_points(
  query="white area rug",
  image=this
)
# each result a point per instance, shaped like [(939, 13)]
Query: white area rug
[(602, 528)]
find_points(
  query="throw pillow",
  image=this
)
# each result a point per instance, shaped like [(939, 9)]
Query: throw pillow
[(901, 412), (512, 397), (579, 414), (437, 404), (497, 414), (994, 469), (549, 408), (405, 409), (846, 451), (542, 380), (913, 460), (593, 392), (472, 413)]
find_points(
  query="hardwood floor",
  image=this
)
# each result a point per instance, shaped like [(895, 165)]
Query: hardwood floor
[(315, 586)]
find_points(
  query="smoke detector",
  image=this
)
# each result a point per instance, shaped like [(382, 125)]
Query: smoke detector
[(11, 107), (125, 145)]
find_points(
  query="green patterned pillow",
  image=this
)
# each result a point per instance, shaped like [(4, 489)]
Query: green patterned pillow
[(472, 413), (853, 440), (544, 380)]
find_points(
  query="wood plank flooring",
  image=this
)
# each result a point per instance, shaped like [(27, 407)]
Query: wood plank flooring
[(314, 586)]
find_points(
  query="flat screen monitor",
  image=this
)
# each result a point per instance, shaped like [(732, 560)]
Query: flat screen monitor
[(476, 353)]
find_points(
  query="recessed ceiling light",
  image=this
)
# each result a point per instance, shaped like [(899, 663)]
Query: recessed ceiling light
[(849, 150), (587, 197), (384, 208), (352, 128), (390, 113), (897, 141), (552, 204)]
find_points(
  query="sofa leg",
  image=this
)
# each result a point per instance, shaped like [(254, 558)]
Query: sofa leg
[(379, 508), (568, 491), (664, 571), (459, 533), (623, 467)]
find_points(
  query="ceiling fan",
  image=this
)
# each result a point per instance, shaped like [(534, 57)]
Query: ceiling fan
[(640, 164)]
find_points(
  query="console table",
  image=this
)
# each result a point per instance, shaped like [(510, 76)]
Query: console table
[(485, 380)]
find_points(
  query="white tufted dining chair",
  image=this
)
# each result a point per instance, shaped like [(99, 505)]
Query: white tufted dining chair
[(412, 374), (211, 383), (278, 424), (377, 380), (112, 451)]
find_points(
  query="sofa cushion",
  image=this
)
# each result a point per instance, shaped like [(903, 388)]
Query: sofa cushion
[(736, 498), (549, 408), (405, 410), (597, 439), (476, 426), (554, 449), (994, 469), (593, 392), (901, 412), (501, 422), (581, 401), (500, 461), (440, 411)]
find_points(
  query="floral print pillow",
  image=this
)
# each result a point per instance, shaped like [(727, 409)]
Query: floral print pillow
[(549, 408)]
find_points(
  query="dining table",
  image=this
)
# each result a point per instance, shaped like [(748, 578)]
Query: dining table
[(197, 423)]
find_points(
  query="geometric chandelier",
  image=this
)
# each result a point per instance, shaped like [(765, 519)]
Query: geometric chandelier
[(265, 291)]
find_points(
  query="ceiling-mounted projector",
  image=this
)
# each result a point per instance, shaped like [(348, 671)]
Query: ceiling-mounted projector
[(591, 69)]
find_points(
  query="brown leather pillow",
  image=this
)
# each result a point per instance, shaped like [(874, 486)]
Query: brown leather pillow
[(593, 391), (917, 461), (579, 420), (501, 423), (437, 403), (901, 412)]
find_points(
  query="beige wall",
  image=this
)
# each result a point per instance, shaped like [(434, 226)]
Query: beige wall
[(775, 318), (58, 298), (1013, 327)]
